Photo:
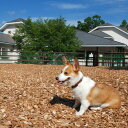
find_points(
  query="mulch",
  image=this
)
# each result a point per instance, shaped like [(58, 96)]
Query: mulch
[(30, 98)]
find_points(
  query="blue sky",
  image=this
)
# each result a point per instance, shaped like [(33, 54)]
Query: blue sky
[(112, 11)]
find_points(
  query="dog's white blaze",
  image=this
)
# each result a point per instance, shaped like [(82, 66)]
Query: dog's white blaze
[(65, 68), (63, 77)]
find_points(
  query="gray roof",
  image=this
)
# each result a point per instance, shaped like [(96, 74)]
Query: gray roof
[(100, 33), (89, 40), (6, 39), (16, 20), (108, 24)]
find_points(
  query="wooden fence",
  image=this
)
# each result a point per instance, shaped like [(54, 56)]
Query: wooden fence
[(112, 59)]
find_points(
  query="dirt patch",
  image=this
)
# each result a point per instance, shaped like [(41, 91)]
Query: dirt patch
[(30, 98)]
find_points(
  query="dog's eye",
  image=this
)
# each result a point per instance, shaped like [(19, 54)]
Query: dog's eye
[(66, 73)]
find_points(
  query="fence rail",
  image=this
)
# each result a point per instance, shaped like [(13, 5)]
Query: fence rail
[(113, 59)]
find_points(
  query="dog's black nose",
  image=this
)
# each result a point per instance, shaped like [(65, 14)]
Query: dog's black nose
[(57, 78)]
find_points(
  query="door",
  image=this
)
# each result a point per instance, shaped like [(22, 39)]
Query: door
[(92, 58)]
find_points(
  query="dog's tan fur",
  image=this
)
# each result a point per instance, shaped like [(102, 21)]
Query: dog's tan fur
[(104, 94)]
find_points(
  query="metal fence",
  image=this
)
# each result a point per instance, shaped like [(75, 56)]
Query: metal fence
[(113, 59)]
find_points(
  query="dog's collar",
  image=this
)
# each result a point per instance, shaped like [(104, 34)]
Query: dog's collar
[(74, 86)]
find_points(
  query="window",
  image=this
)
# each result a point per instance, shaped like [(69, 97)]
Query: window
[(3, 51), (109, 38), (9, 32)]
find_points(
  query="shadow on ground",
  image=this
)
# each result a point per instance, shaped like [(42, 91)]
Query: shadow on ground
[(67, 102)]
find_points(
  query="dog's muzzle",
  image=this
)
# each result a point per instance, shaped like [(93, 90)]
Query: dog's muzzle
[(61, 82)]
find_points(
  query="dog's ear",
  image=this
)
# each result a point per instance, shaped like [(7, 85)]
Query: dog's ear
[(76, 66), (65, 60)]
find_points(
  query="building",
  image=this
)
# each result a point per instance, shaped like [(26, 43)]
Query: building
[(11, 26), (106, 38), (7, 44)]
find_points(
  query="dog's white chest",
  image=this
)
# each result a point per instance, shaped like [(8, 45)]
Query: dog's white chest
[(83, 89)]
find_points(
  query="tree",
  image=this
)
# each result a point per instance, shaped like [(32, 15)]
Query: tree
[(46, 35), (124, 24), (90, 23)]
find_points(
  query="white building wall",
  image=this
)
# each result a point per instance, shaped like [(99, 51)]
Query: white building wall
[(11, 55), (14, 56), (10, 30)]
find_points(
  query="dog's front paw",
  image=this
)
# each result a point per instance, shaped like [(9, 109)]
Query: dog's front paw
[(79, 113)]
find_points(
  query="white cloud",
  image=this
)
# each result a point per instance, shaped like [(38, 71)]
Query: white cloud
[(110, 1), (117, 10), (68, 6), (15, 12), (71, 6), (68, 22), (71, 22), (11, 12), (36, 18)]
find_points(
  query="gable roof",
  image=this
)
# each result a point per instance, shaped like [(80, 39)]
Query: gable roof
[(13, 22), (107, 25), (100, 33), (89, 40), (6, 39), (16, 20)]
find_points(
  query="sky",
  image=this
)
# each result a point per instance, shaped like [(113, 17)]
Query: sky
[(111, 11)]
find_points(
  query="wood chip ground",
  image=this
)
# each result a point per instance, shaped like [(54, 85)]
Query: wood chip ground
[(30, 98)]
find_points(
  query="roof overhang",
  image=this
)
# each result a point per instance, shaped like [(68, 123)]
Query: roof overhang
[(7, 43), (12, 23), (104, 45)]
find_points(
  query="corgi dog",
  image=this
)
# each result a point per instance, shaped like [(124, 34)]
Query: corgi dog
[(87, 92)]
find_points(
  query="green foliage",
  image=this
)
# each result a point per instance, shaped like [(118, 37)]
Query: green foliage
[(46, 57), (124, 24), (90, 23), (46, 35), (30, 58)]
